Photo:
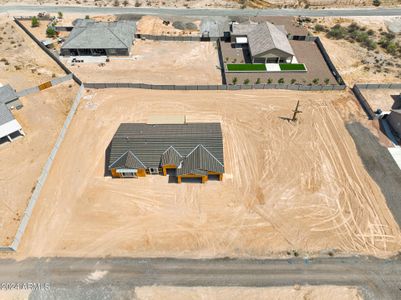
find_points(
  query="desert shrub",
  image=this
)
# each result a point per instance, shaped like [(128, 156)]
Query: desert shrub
[(246, 81), (281, 80), (319, 28), (235, 80), (337, 32), (376, 2), (35, 22), (51, 32), (257, 81)]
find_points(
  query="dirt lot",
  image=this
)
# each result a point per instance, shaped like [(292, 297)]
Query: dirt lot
[(155, 26), (22, 161), (356, 63), (217, 293), (305, 52), (158, 63), (22, 63), (385, 99), (287, 187)]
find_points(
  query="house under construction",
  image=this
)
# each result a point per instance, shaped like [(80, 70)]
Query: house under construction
[(189, 150)]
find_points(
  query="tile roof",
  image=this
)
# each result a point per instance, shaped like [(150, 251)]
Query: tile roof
[(129, 161), (199, 160), (195, 147), (88, 34)]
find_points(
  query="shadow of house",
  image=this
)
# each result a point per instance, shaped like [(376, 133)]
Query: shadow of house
[(107, 172), (397, 101)]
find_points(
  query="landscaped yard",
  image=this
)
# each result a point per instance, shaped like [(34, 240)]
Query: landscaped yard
[(292, 67), (246, 67), (262, 67)]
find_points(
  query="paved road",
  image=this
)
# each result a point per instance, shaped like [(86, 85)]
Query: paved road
[(70, 277), (203, 12)]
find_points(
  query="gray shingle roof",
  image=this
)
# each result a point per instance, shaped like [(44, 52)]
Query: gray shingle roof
[(264, 37), (5, 115), (158, 144), (88, 34), (7, 94)]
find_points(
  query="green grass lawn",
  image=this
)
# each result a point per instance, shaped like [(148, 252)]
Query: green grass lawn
[(246, 67), (292, 67)]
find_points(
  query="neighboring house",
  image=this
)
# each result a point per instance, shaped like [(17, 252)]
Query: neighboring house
[(267, 43), (9, 127), (99, 38), (191, 150), (394, 118)]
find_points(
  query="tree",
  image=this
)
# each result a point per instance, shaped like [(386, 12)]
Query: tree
[(315, 81), (235, 79), (293, 81), (35, 22), (116, 3), (126, 2), (281, 80), (326, 81), (60, 15), (269, 81), (246, 81), (87, 17), (257, 81), (51, 32)]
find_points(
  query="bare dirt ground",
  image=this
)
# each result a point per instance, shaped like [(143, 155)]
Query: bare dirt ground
[(155, 26), (22, 63), (21, 162), (354, 62), (217, 293), (158, 62), (384, 99), (300, 188)]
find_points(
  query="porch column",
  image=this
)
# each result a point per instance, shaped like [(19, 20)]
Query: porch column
[(178, 179), (220, 177)]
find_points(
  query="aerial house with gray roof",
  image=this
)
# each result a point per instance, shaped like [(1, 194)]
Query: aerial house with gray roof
[(190, 150), (267, 43), (99, 38), (9, 126)]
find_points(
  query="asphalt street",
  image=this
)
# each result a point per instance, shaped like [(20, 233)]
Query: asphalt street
[(78, 278), (202, 12)]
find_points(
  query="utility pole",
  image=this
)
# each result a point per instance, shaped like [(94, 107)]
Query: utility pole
[(296, 112)]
